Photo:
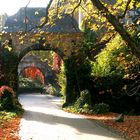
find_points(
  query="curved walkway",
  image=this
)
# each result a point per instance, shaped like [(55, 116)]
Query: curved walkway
[(43, 119)]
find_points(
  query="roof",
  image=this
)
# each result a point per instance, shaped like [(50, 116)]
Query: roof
[(16, 22)]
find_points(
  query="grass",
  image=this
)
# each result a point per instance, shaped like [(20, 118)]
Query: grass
[(7, 115)]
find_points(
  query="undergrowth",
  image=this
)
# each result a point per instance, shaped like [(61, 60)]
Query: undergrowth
[(84, 105)]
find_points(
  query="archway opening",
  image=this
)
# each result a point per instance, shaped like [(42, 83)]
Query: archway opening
[(43, 68)]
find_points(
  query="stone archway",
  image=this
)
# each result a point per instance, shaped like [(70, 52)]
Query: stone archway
[(64, 42), (37, 47)]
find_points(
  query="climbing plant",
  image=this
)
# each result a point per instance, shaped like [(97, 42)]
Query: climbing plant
[(9, 64)]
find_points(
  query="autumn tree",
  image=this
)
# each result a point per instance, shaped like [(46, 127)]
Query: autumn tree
[(108, 17)]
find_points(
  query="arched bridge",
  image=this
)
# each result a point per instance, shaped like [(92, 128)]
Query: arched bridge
[(62, 37)]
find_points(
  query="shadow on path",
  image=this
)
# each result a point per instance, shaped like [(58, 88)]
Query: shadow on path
[(43, 113)]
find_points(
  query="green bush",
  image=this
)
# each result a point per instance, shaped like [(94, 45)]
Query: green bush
[(9, 102), (115, 67), (101, 108), (83, 103), (115, 60), (28, 83)]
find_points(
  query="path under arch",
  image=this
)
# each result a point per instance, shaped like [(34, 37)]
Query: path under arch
[(44, 120)]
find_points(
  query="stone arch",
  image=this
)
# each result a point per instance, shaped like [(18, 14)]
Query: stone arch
[(64, 42), (39, 47)]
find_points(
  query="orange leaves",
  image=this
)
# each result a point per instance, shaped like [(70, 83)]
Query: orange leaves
[(33, 73), (8, 129), (1, 132), (56, 62), (130, 128)]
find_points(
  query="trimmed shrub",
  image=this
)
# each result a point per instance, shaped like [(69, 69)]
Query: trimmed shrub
[(84, 100), (50, 89)]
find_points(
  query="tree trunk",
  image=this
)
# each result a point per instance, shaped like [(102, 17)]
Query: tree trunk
[(71, 82), (134, 46), (68, 92)]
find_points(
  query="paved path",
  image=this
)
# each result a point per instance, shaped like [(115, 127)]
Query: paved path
[(44, 120)]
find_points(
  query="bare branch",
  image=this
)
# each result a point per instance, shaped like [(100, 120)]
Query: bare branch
[(89, 14), (72, 13), (57, 8), (99, 46), (26, 15), (47, 13), (46, 17), (126, 8), (79, 3)]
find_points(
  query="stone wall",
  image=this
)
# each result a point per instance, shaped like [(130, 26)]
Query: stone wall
[(66, 42)]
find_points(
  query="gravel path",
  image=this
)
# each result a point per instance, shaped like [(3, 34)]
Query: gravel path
[(44, 120)]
